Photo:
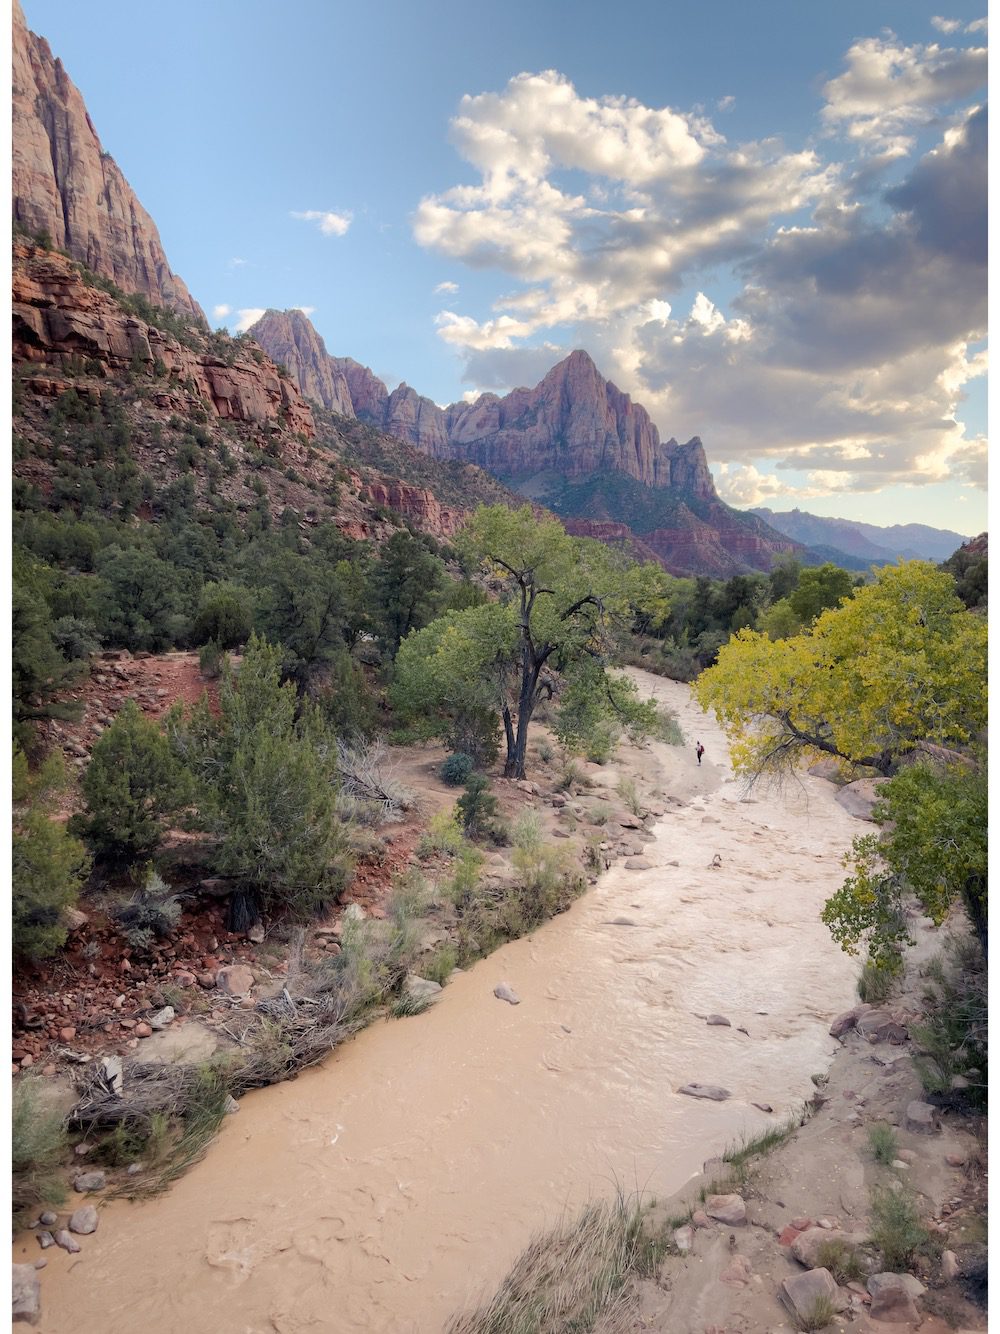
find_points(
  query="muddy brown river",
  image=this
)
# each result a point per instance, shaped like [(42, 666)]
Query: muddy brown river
[(393, 1184)]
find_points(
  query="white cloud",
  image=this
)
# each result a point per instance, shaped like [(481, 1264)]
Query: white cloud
[(978, 25), (330, 224), (743, 485), (726, 103), (247, 316), (889, 89), (220, 312), (237, 263), (945, 25), (448, 288), (306, 310)]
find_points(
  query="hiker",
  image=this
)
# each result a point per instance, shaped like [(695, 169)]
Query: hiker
[(699, 751)]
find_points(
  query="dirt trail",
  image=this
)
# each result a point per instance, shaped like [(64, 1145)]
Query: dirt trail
[(381, 1191)]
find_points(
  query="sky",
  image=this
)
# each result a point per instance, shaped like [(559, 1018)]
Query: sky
[(766, 222)]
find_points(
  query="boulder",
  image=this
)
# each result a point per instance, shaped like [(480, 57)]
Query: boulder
[(893, 1302), (637, 864), (950, 1268), (25, 1295), (700, 1219), (683, 1239), (921, 1118), (843, 1023), (48, 1218), (505, 992), (421, 988), (236, 979), (88, 1181), (73, 919), (65, 1240), (910, 1284), (705, 1091), (718, 1021), (45, 1240), (801, 1293), (881, 1026), (83, 1221), (806, 1246), (858, 798), (728, 1209)]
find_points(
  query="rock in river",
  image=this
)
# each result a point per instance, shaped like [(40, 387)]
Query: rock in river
[(504, 991), (705, 1091)]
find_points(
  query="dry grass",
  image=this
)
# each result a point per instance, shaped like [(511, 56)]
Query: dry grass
[(569, 1278)]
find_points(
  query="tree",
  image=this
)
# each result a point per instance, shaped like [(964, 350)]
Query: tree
[(900, 662), (138, 605), (406, 586), (132, 786), (819, 587), (301, 609), (268, 785), (225, 615), (561, 601), (38, 669), (48, 866), (932, 844)]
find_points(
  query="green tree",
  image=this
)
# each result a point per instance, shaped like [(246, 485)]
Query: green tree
[(406, 586), (132, 787), (48, 866), (39, 671), (301, 608), (138, 605), (562, 602), (819, 587), (932, 844), (784, 576), (900, 662), (268, 783), (224, 616), (779, 621)]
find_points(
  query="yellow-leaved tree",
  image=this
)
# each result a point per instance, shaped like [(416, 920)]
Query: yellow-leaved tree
[(902, 662)]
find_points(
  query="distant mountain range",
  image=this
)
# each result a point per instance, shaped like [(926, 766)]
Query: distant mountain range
[(867, 543)]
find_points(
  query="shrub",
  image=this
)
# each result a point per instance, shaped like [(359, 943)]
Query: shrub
[(526, 832), (896, 1228), (441, 964), (225, 615), (38, 1147), (131, 788), (444, 834), (629, 795), (842, 1261), (878, 979), (953, 1037), (456, 769), (821, 1314), (210, 658), (48, 866), (477, 806), (150, 914), (883, 1143)]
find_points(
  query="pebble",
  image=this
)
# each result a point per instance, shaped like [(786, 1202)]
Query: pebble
[(45, 1240), (88, 1181), (67, 1034), (48, 1218), (143, 1031)]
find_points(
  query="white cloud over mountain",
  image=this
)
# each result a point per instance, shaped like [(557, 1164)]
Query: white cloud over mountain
[(845, 350), (330, 224)]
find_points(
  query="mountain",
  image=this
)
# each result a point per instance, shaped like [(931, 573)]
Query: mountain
[(65, 187), (574, 443), (865, 541)]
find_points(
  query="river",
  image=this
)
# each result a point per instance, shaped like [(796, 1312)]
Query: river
[(386, 1188)]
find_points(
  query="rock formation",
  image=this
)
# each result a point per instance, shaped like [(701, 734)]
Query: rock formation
[(64, 184), (292, 342), (61, 323)]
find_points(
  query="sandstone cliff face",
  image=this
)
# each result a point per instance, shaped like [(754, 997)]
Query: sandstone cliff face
[(414, 502), (369, 395), (60, 322), (63, 183), (290, 340)]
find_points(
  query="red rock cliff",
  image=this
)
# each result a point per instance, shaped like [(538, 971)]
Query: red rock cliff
[(290, 340), (63, 183), (59, 321)]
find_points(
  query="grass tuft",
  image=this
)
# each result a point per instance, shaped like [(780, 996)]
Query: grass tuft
[(883, 1143), (896, 1227), (39, 1145), (819, 1315), (842, 1260)]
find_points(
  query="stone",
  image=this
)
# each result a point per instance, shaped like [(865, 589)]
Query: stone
[(843, 1023), (738, 1272), (83, 1221), (236, 979), (858, 798), (955, 1159), (25, 1295), (899, 1165), (718, 1021), (73, 919), (421, 988), (162, 1019), (802, 1223), (921, 1118), (950, 1267), (65, 1240), (185, 978), (728, 1209), (143, 1030), (711, 1091), (802, 1292), (907, 1155), (256, 934), (908, 1282), (48, 1218), (683, 1239), (761, 1106), (807, 1244), (787, 1235), (881, 1026), (700, 1219), (894, 1305), (45, 1239), (88, 1181), (111, 1072), (67, 1034), (354, 913), (40, 1263), (230, 1106), (505, 992)]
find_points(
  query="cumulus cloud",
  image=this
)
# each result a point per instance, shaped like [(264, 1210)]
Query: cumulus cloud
[(330, 224), (945, 25), (306, 310), (220, 312), (447, 288), (726, 103), (247, 316), (743, 485), (237, 263), (888, 89)]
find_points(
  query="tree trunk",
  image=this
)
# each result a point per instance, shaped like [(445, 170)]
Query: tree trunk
[(508, 727), (514, 768)]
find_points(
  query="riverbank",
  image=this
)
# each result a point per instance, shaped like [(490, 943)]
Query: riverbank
[(382, 1190)]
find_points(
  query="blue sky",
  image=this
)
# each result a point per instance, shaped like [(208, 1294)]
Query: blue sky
[(736, 208)]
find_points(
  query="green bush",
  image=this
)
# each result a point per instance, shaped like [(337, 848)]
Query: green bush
[(456, 769), (210, 659), (150, 914), (225, 615), (48, 866), (38, 1147), (477, 806), (883, 1143), (443, 834), (896, 1227), (131, 788)]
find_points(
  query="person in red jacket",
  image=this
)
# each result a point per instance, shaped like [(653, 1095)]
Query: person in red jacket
[(699, 750)]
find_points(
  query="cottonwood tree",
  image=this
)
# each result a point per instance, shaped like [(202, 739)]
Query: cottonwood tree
[(561, 602), (899, 663)]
